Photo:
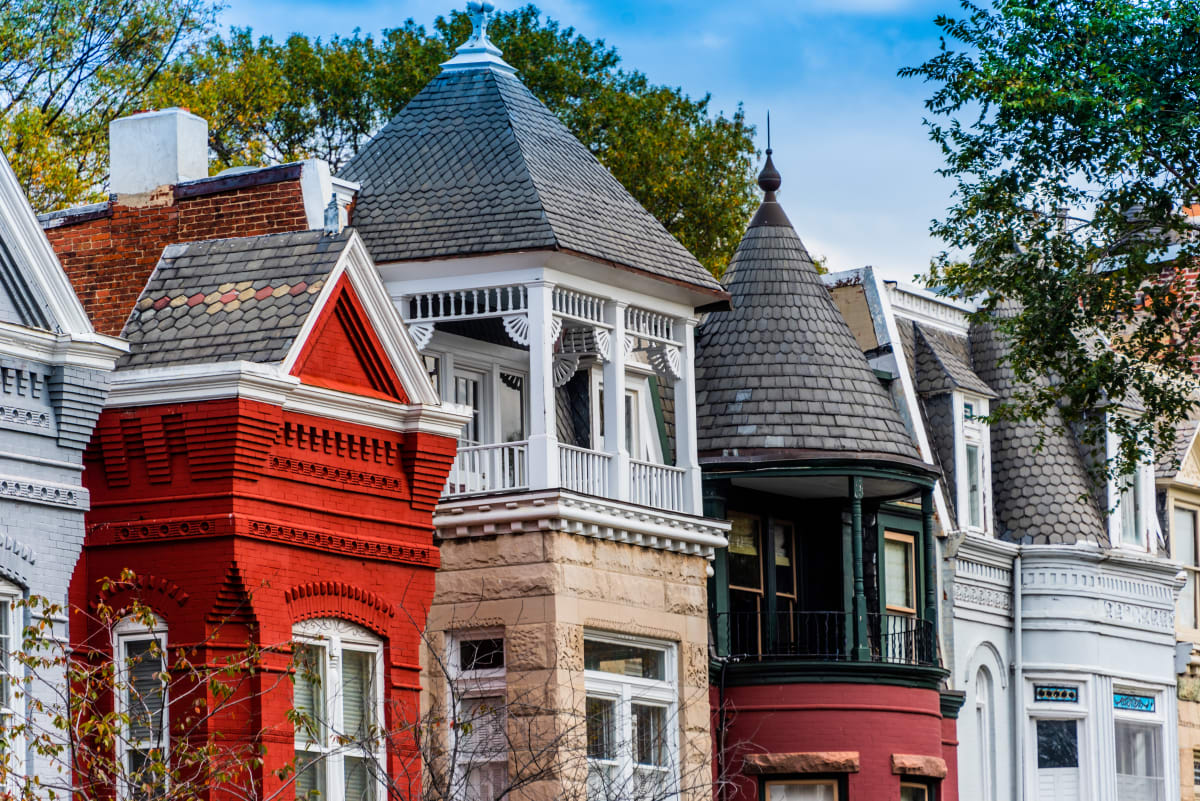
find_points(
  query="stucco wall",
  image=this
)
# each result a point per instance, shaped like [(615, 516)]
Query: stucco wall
[(544, 589)]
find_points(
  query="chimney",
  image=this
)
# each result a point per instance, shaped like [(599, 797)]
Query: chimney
[(156, 148)]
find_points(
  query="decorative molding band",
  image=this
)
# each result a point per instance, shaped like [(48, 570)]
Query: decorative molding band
[(143, 583), (991, 599), (1140, 616), (563, 510), (324, 473), (941, 312), (324, 598), (38, 492), (979, 571), (26, 418)]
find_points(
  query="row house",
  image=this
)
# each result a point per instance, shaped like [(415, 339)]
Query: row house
[(1058, 599), (266, 464), (54, 375), (568, 625), (826, 673)]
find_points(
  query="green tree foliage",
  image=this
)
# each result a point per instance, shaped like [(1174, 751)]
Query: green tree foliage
[(1072, 129), (69, 67), (269, 101)]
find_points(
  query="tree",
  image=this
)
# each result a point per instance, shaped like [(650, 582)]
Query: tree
[(1072, 130), (69, 67), (266, 101)]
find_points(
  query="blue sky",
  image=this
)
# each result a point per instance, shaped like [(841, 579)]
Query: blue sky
[(858, 167)]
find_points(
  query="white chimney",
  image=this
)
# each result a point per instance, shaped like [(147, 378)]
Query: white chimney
[(156, 148)]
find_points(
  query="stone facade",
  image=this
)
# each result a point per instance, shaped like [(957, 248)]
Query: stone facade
[(543, 590)]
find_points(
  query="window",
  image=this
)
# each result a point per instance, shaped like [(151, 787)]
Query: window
[(478, 688), (1196, 768), (141, 683), (468, 391), (1184, 542), (985, 753), (974, 479), (1132, 522), (433, 367), (1138, 732), (899, 572), (340, 699), (745, 584), (1129, 507), (10, 670), (915, 792), (631, 709), (1057, 746), (802, 790)]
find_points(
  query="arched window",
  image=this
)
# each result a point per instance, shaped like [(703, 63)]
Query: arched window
[(338, 694), (141, 688), (985, 728)]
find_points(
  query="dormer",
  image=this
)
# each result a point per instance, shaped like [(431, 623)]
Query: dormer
[(1132, 521)]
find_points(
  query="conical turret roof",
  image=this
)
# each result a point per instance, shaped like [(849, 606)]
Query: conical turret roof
[(780, 377), (475, 164)]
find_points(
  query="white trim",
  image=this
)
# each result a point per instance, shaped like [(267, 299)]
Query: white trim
[(85, 350)]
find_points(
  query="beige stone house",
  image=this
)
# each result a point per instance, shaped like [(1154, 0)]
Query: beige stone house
[(1178, 481), (567, 644)]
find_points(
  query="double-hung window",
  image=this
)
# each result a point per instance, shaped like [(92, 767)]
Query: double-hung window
[(632, 718), (1138, 730), (1131, 502), (1183, 536), (478, 689), (339, 701), (142, 683), (801, 790), (13, 752), (974, 473)]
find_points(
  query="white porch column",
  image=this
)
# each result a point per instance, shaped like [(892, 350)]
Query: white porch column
[(543, 425), (685, 419), (614, 403)]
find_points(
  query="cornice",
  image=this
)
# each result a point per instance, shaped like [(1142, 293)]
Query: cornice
[(95, 351), (562, 510), (17, 488)]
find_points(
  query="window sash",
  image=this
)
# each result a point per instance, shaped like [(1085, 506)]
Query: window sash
[(801, 790), (900, 572)]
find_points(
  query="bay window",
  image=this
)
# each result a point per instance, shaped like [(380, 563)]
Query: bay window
[(631, 718), (339, 698)]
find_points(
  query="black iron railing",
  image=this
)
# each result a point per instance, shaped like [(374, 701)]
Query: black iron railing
[(824, 637)]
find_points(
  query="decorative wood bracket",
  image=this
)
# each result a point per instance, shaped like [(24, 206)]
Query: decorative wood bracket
[(517, 328), (565, 365), (421, 334)]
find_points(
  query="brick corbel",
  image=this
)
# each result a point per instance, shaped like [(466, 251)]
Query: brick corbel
[(916, 765), (801, 762)]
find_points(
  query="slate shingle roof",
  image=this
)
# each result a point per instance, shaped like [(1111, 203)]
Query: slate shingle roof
[(782, 371), (943, 363), (230, 299), (1168, 463), (476, 164), (1041, 496)]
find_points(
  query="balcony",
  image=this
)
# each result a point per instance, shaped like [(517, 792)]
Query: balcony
[(824, 637), (488, 468)]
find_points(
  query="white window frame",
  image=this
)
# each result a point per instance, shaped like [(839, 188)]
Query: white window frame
[(626, 691), (972, 431), (12, 707), (1147, 520), (1059, 710), (985, 725), (471, 685), (645, 436), (333, 637), (125, 632), (1192, 570), (455, 354), (1157, 718)]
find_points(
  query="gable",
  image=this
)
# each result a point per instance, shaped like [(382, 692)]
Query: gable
[(343, 352)]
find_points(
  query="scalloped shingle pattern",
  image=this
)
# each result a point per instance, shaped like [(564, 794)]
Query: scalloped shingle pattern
[(1041, 495), (476, 164), (230, 299), (943, 363), (782, 370)]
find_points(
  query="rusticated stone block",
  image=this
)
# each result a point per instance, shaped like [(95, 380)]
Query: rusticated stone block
[(804, 762), (917, 765)]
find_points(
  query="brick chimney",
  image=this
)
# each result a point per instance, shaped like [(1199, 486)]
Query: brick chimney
[(156, 148)]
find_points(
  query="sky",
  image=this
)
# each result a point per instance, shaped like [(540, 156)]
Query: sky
[(859, 172)]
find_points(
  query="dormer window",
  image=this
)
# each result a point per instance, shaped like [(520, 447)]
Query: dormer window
[(974, 460), (1131, 502)]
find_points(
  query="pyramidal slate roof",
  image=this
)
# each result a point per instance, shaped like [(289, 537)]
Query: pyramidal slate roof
[(1042, 495), (230, 299), (780, 376), (476, 164)]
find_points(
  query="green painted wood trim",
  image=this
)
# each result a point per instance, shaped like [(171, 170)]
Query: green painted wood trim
[(748, 674), (861, 651), (930, 543)]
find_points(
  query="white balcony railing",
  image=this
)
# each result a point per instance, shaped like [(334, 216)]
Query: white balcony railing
[(657, 485), (488, 468), (583, 470)]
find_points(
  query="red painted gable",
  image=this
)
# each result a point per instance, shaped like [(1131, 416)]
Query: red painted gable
[(343, 351)]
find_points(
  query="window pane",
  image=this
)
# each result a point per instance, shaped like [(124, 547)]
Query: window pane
[(898, 573), (1185, 551), (357, 694), (789, 791), (512, 407), (785, 567), (601, 728), (974, 488), (624, 660), (633, 424), (1131, 523), (146, 774), (485, 654), (487, 781), (649, 735), (144, 693), (310, 775), (467, 391), (360, 781), (433, 366), (744, 570), (308, 695), (1057, 744), (911, 792), (6, 649), (1139, 762)]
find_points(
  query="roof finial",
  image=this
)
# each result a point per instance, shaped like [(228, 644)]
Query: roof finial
[(478, 51), (769, 179)]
